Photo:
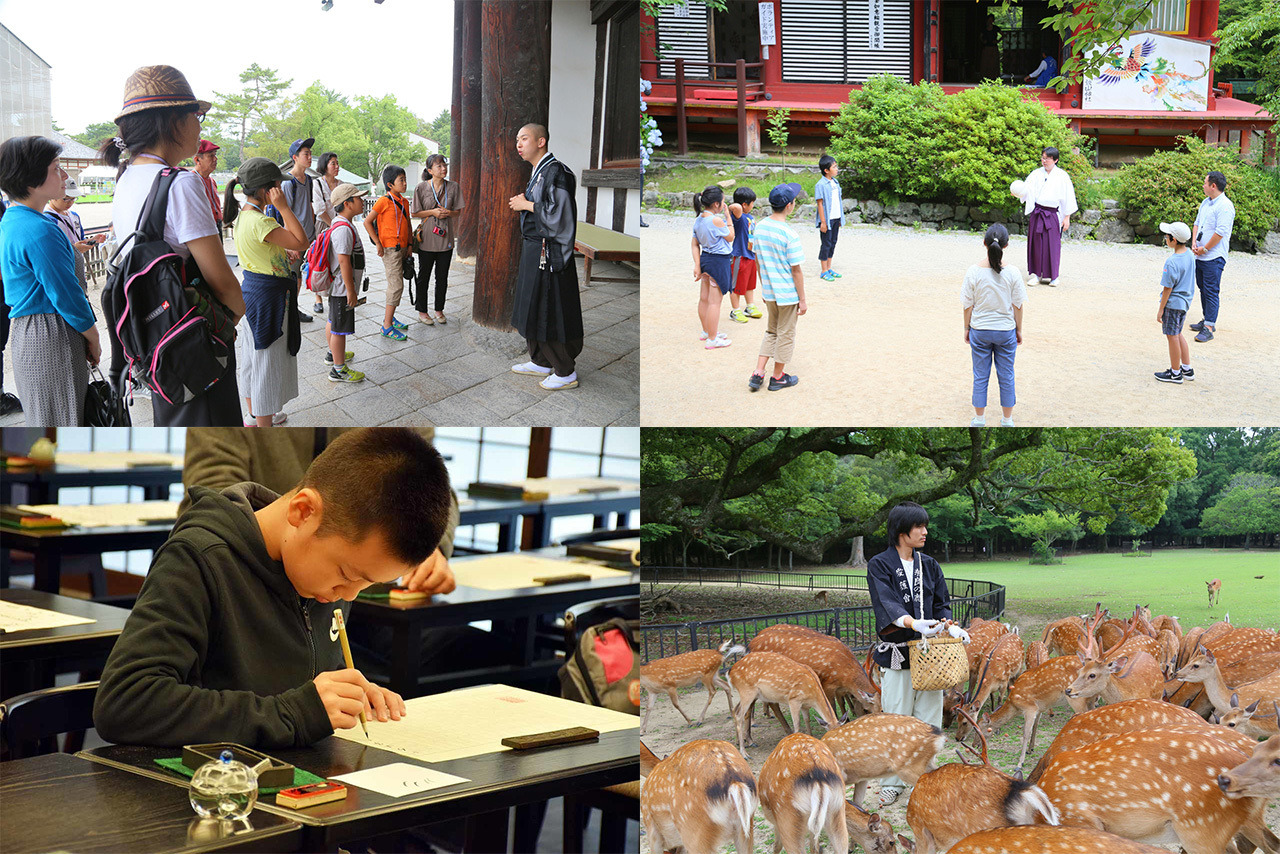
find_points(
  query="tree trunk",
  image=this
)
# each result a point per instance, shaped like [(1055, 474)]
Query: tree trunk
[(856, 556), (464, 127), (516, 75)]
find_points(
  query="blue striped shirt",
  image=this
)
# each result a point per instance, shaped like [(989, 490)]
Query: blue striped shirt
[(778, 249)]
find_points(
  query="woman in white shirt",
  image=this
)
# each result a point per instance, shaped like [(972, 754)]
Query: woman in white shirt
[(993, 295), (1048, 199)]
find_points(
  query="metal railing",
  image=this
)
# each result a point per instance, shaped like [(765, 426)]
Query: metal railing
[(856, 626), (746, 90)]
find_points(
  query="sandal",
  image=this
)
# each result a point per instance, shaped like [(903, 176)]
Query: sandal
[(440, 318), (426, 318), (393, 333), (889, 795)]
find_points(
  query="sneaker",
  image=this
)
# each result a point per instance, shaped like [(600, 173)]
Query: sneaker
[(1206, 334), (1169, 376), (1053, 283), (754, 312), (702, 336), (978, 421), (755, 382), (555, 382), (889, 795), (737, 315), (141, 390), (279, 419), (344, 375), (396, 324), (531, 368), (1006, 422), (10, 404), (328, 358), (393, 333), (719, 341), (318, 308), (784, 381), (1188, 373), (1197, 326), (835, 275), (305, 318), (826, 277)]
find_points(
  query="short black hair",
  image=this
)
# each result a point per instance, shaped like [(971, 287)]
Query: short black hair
[(391, 174), (903, 518), (1218, 180), (825, 162), (1052, 152), (324, 161), (24, 164), (742, 195), (386, 478)]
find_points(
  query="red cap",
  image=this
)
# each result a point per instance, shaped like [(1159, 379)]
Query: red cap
[(206, 146)]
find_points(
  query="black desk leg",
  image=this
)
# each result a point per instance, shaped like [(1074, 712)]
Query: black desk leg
[(406, 659), (575, 823), (528, 827), (600, 522), (48, 567), (507, 535), (486, 832), (156, 492), (541, 531)]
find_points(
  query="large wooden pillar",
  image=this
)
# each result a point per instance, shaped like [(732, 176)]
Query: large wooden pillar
[(515, 90), (464, 130)]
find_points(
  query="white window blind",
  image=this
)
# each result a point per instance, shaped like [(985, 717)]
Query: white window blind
[(685, 37), (1168, 16), (825, 42)]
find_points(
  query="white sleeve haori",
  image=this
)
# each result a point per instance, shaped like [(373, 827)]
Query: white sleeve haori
[(1051, 189)]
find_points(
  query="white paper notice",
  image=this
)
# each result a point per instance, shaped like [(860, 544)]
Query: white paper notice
[(399, 779), (24, 618)]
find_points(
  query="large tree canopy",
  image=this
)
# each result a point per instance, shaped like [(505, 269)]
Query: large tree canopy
[(810, 489)]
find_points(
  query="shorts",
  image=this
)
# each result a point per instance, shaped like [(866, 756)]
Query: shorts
[(744, 275), (342, 320), (1172, 323), (827, 240), (719, 269)]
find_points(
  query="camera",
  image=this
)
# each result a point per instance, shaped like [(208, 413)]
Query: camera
[(437, 230)]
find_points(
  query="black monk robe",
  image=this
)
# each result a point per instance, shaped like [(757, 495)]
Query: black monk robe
[(547, 307), (891, 598)]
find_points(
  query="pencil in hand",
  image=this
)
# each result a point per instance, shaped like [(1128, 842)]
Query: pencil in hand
[(346, 656)]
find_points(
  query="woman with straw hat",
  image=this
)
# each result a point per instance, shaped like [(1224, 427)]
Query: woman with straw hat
[(159, 126)]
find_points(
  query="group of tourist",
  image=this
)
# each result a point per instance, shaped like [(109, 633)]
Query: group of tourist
[(55, 339)]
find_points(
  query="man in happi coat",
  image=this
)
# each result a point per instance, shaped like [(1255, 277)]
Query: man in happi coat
[(547, 311), (1049, 200)]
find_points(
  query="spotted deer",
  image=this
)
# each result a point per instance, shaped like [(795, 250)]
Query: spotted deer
[(1108, 721), (869, 830), (1116, 678), (774, 678), (1194, 696), (1042, 839), (801, 795), (1168, 652), (843, 679), (647, 760), (1002, 663), (955, 800), (1256, 777), (681, 671), (1204, 668), (1248, 720), (700, 798), (1164, 621), (1215, 591), (1033, 693), (1037, 654), (1064, 636), (1159, 786), (875, 746)]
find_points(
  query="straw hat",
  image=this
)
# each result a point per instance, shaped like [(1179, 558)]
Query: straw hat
[(158, 86)]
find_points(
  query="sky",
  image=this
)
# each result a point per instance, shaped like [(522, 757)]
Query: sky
[(93, 48)]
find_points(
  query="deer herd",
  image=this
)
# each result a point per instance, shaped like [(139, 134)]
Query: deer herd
[(1163, 744)]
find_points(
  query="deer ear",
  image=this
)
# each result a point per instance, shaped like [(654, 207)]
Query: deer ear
[(1017, 774), (1253, 707), (1213, 718), (1235, 700), (907, 844), (1116, 665), (873, 824)]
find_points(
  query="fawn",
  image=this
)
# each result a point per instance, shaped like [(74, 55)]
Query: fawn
[(801, 795), (1033, 693), (688, 668), (875, 746), (843, 678), (1258, 776), (1041, 839), (1215, 591), (774, 678), (1204, 668), (700, 797)]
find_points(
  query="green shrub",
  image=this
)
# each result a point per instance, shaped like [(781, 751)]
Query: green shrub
[(1168, 186), (894, 140), (1043, 554)]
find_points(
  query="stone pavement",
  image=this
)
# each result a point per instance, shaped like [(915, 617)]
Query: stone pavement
[(457, 374)]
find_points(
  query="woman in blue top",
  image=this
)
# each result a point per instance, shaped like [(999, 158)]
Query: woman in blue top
[(712, 249), (53, 335)]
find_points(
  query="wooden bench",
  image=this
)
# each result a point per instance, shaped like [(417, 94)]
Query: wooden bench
[(595, 242)]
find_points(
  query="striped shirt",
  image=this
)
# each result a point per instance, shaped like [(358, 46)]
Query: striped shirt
[(778, 249)]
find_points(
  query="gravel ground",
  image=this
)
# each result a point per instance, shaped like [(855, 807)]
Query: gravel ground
[(884, 344)]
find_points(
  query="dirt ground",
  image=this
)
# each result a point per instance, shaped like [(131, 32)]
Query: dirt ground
[(884, 345), (667, 730)]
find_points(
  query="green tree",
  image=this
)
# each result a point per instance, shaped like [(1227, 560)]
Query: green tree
[(778, 133), (250, 107), (1249, 45), (1249, 505), (94, 134), (319, 113), (1045, 529), (437, 130), (385, 126)]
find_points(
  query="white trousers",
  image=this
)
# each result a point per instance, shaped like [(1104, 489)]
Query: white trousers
[(899, 698)]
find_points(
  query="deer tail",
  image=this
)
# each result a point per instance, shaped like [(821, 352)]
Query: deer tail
[(1025, 801), (744, 805)]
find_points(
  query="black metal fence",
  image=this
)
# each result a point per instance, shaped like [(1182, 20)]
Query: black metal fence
[(855, 626)]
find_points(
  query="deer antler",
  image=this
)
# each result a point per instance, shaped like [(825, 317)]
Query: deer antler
[(1092, 626), (974, 724)]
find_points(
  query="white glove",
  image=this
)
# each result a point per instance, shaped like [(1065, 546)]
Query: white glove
[(926, 628), (957, 632)]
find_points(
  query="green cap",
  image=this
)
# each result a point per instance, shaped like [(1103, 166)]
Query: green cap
[(258, 172)]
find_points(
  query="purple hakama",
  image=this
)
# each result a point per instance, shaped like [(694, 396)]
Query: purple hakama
[(1044, 242)]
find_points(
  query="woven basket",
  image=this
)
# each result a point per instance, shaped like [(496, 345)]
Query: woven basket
[(942, 664)]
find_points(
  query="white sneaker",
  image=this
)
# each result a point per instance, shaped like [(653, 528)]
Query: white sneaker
[(1054, 283), (702, 336), (555, 382), (531, 368), (718, 342), (978, 421), (1006, 422)]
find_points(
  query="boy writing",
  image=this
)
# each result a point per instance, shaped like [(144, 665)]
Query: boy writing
[(778, 259), (1177, 284), (744, 260), (347, 202), (830, 214), (231, 636)]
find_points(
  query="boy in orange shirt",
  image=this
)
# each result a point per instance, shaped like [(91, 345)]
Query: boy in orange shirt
[(388, 227)]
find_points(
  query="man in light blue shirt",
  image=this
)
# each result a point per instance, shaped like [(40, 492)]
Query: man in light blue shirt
[(1211, 239)]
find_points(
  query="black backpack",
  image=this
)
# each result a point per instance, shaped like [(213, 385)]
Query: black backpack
[(176, 337)]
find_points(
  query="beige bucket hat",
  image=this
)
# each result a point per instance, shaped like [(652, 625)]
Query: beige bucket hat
[(158, 86)]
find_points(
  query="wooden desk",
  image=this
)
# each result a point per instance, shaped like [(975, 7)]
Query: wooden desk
[(498, 781), (596, 242), (517, 608), (80, 641), (60, 802), (49, 547), (42, 484)]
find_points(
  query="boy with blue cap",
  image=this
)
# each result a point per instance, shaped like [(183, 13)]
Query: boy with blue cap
[(778, 259)]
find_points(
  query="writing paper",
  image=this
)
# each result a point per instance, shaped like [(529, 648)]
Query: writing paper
[(108, 515), (510, 570), (25, 618), (399, 779)]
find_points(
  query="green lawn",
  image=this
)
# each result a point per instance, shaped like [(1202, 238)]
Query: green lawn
[(696, 180)]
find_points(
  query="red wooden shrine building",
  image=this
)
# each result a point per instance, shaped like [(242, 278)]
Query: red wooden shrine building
[(722, 71)]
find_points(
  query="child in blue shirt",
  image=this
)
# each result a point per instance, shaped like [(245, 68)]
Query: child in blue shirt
[(712, 249), (1177, 283), (830, 214), (744, 260)]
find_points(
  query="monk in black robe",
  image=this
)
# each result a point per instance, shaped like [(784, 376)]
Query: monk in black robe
[(547, 311)]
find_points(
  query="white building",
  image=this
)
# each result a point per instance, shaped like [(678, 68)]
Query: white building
[(26, 90)]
